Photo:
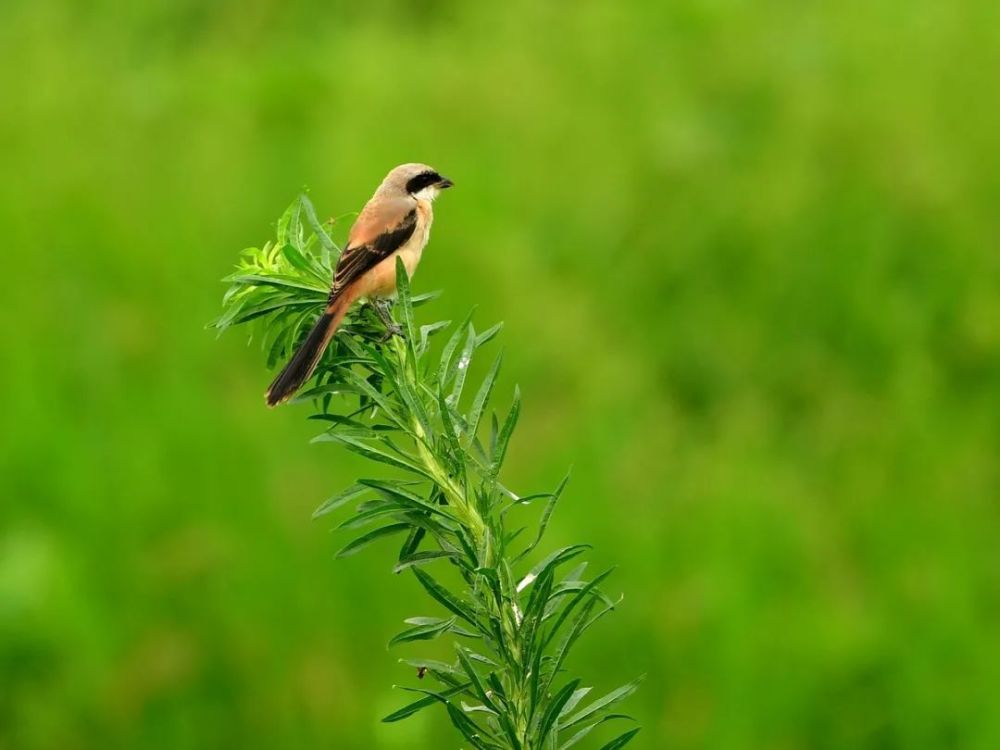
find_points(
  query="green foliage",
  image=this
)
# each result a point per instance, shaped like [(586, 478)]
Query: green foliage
[(399, 404)]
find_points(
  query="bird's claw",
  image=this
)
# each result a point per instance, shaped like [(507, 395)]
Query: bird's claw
[(390, 331), (392, 328)]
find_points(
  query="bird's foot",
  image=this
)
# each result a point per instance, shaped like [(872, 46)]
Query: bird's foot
[(391, 329)]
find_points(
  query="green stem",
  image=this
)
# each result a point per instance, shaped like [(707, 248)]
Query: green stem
[(517, 688), (456, 497)]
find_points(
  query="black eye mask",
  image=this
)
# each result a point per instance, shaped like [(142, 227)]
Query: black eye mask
[(422, 180)]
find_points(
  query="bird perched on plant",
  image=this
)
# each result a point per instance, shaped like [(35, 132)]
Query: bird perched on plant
[(395, 221)]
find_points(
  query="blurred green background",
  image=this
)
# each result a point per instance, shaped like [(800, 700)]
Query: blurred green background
[(748, 258)]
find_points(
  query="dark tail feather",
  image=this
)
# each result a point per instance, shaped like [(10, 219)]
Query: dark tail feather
[(300, 367)]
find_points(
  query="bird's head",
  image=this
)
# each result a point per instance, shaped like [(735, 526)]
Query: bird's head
[(418, 180)]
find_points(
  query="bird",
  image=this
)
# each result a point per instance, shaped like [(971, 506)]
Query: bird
[(396, 221)]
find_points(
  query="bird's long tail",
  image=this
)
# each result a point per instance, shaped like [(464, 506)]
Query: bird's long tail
[(302, 364)]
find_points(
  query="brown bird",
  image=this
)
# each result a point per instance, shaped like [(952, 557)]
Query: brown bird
[(395, 221)]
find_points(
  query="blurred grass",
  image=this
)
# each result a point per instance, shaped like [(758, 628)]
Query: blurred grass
[(747, 255)]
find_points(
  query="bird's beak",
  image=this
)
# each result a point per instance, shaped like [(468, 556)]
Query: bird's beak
[(445, 183)]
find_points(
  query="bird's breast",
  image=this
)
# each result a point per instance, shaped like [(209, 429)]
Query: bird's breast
[(383, 279)]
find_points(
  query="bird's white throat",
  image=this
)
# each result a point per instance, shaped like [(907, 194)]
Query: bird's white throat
[(428, 193)]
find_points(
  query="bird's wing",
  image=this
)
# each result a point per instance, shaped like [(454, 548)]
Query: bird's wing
[(379, 231)]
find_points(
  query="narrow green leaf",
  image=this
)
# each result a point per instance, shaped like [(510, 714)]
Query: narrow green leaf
[(602, 703), (488, 334), (543, 522), (423, 299), (248, 313), (298, 260), (335, 388), (493, 581), (469, 729), (534, 612), (375, 502), (480, 738), (577, 599), (503, 438), (509, 730), (482, 397), (423, 632), (483, 659), (450, 680), (572, 703), (420, 558), (498, 693), (450, 433), (496, 686), (468, 546), (576, 574), (548, 720), (363, 541), (416, 409), (395, 491), (341, 498), (621, 740), (432, 665), (570, 588), (474, 678), (355, 427), (328, 248), (363, 349), (369, 451), (551, 562), (441, 530), (289, 216), (388, 408), (426, 331), (281, 280), (579, 624), (444, 597), (494, 434), (449, 348), (456, 629), (483, 708), (590, 728), (412, 542), (405, 305), (458, 372), (430, 699), (363, 517), (509, 538)]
